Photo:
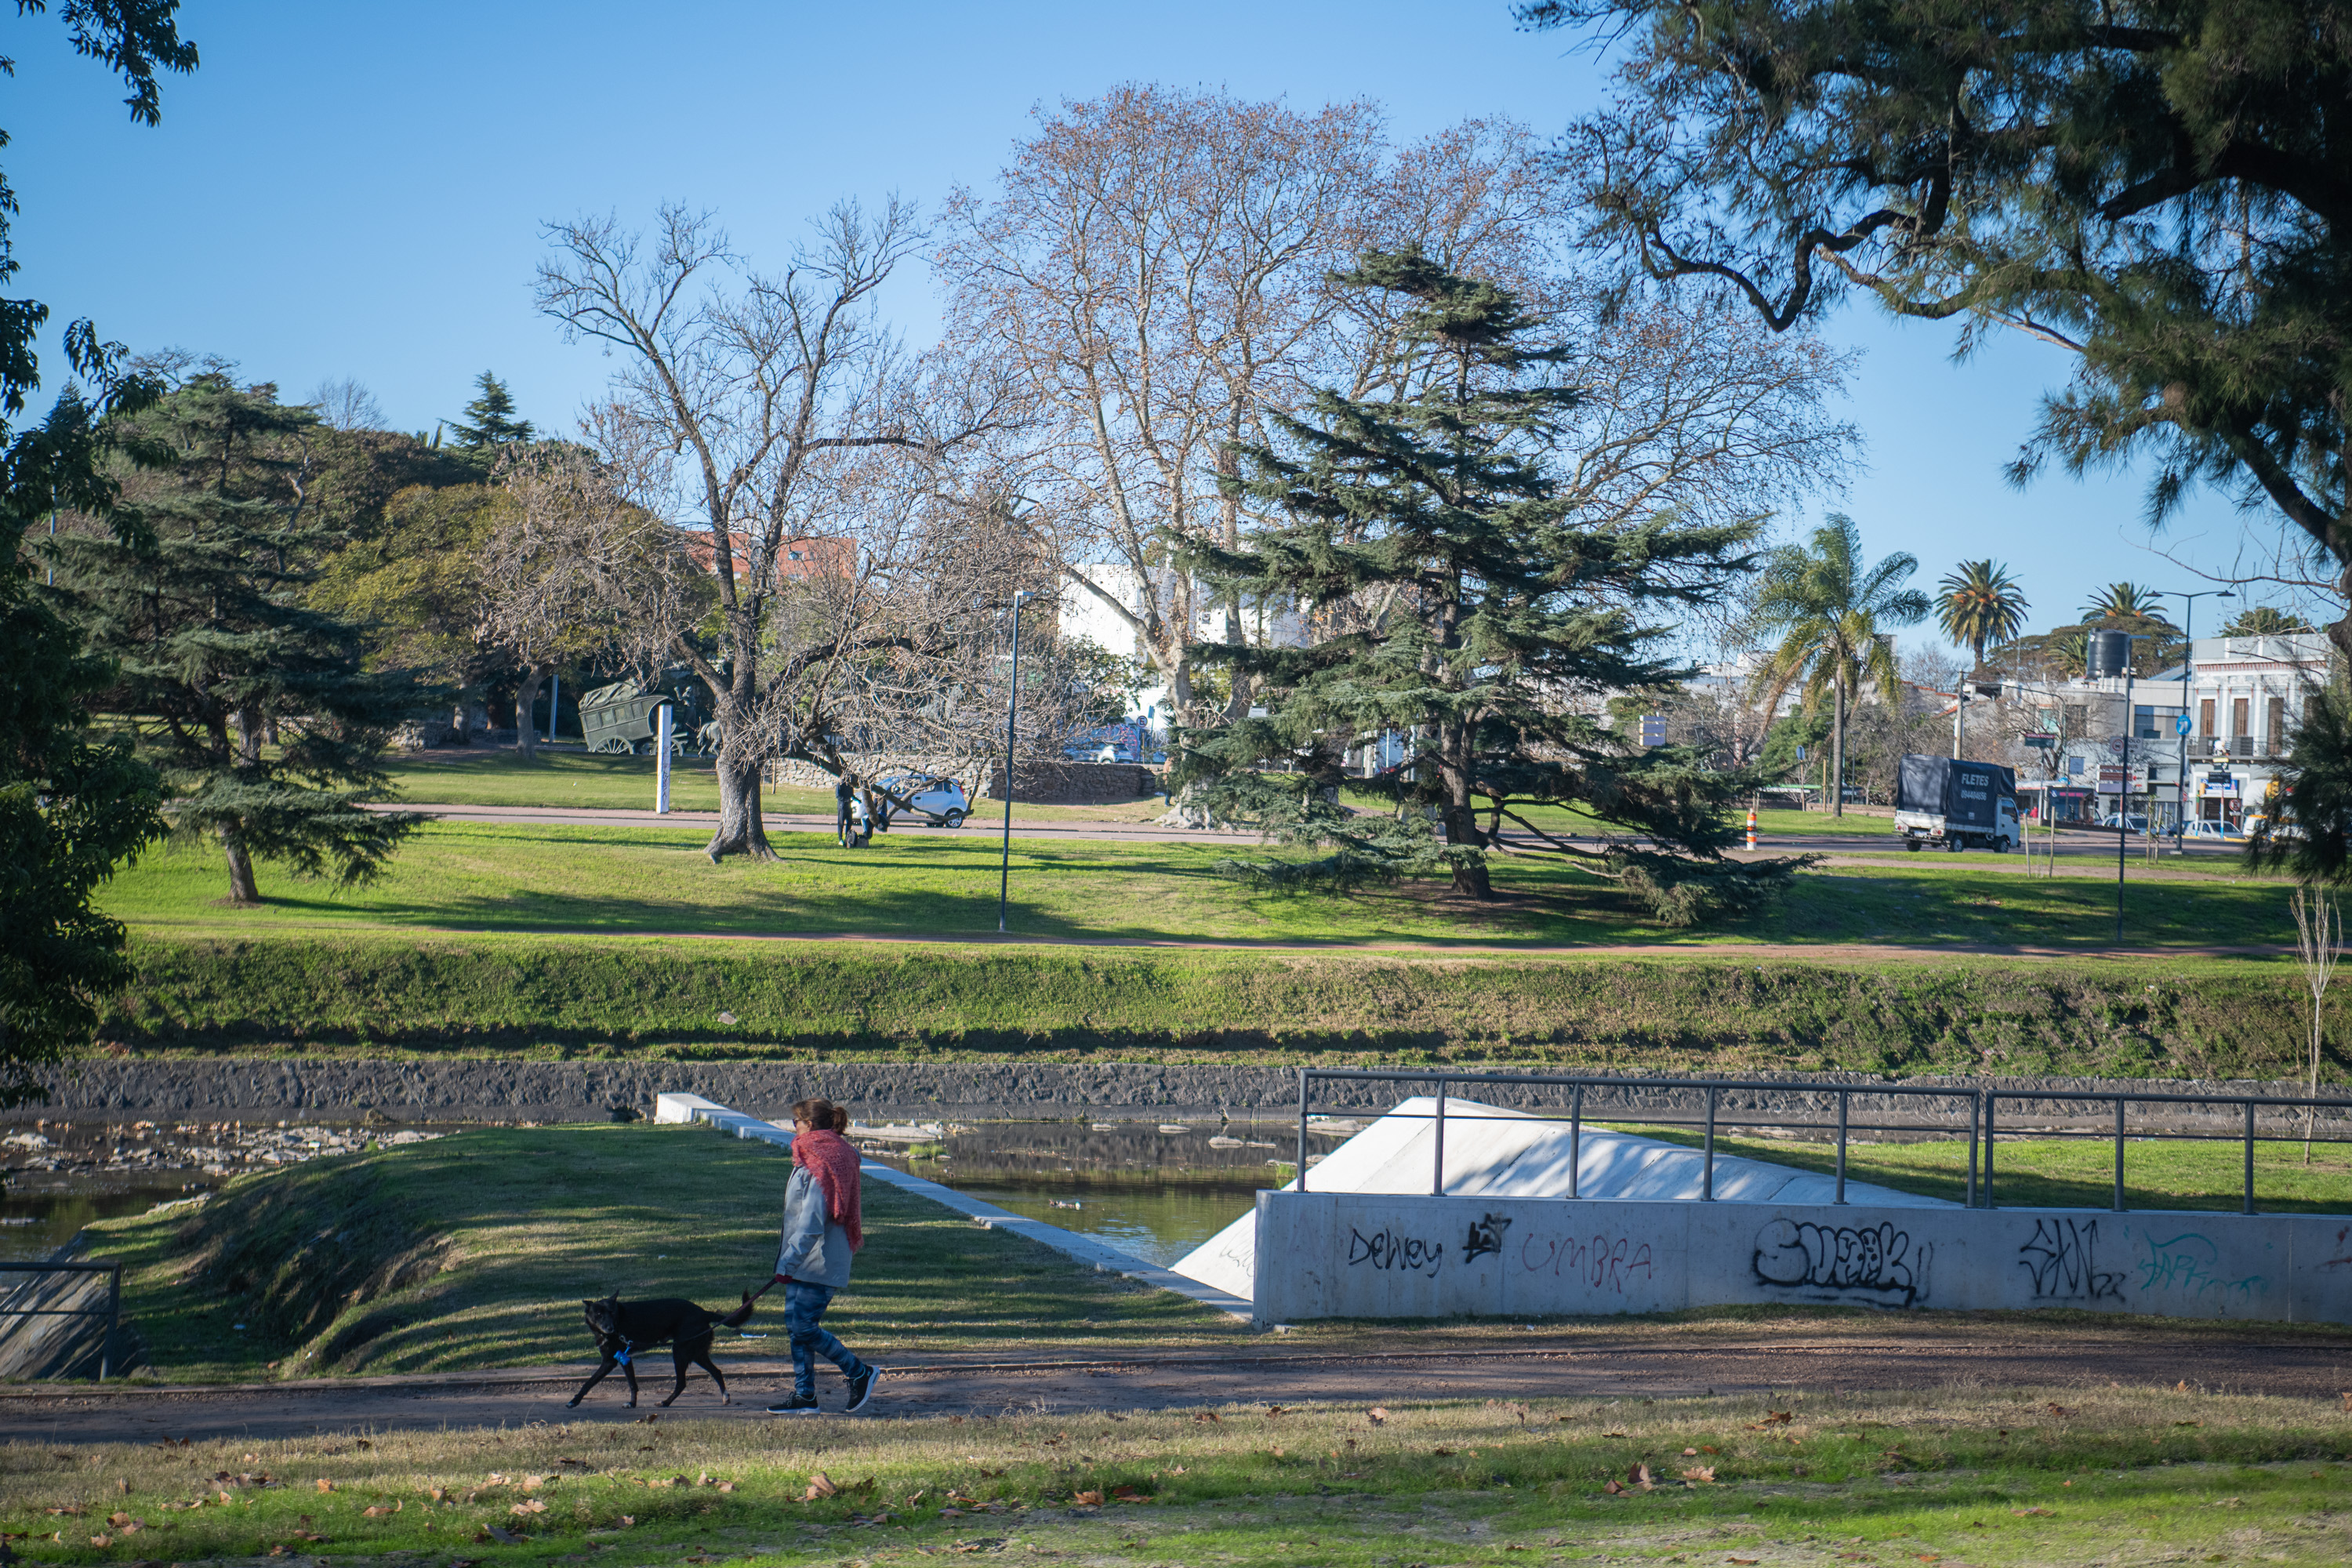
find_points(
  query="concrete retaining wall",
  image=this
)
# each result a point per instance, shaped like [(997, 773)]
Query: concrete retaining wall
[(1350, 1255), (491, 1090)]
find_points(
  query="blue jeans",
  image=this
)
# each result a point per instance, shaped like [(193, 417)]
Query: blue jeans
[(804, 1307)]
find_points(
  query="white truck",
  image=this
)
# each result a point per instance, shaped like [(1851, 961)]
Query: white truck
[(1957, 805)]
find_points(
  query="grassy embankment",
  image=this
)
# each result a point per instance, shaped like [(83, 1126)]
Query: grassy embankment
[(541, 938), (475, 1250), (2022, 1476), (2077, 1173)]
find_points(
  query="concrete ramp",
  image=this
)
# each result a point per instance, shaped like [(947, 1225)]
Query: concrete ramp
[(1493, 1150)]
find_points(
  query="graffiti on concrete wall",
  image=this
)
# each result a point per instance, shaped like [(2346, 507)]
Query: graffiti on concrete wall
[(1387, 1251), (1485, 1235), (2190, 1263), (2063, 1257), (1874, 1260), (1606, 1263)]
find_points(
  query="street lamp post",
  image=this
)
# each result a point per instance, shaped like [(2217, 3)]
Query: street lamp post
[(2111, 655), (1012, 709), (2188, 656)]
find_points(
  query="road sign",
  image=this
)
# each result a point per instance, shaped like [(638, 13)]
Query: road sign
[(2042, 742), (2180, 724)]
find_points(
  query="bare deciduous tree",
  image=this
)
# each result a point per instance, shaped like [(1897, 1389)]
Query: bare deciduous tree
[(761, 412), (1154, 272), (566, 561)]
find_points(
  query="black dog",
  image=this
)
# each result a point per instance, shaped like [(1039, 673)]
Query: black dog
[(625, 1328)]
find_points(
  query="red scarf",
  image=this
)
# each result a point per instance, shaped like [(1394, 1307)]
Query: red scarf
[(829, 1155)]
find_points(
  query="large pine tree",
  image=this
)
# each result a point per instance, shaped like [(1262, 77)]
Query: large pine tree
[(1460, 602), (489, 421), (259, 711)]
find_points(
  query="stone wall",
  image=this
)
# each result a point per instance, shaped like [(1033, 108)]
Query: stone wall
[(464, 1090), (1074, 783)]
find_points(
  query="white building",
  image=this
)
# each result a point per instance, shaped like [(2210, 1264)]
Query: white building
[(2243, 697), (1084, 613)]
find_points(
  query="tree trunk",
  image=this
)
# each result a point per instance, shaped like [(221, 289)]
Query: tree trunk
[(1837, 746), (526, 696), (1470, 877), (739, 830), (241, 889)]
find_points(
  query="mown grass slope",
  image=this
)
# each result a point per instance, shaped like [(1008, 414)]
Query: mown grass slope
[(475, 1250)]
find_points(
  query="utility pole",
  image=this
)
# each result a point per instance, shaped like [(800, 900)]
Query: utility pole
[(2187, 658), (1012, 709), (2111, 655)]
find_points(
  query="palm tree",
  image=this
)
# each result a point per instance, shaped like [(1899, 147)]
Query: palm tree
[(1980, 602), (2125, 602), (1833, 614), (2265, 621)]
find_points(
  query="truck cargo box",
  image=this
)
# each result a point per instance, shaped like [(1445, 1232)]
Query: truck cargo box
[(1968, 796)]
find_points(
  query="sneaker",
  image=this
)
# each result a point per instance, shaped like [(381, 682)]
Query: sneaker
[(861, 1390), (798, 1405)]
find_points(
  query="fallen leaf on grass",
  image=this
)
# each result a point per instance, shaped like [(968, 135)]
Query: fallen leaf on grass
[(1086, 1500), (325, 1485), (1612, 1434), (101, 1540), (1640, 1476), (1129, 1494), (1272, 1411), (377, 1510), (1699, 1473), (1613, 1488), (525, 1509), (1376, 1416), (2061, 1411), (507, 1537), (1443, 1453), (2022, 1512), (820, 1486), (1744, 1560), (1205, 1416)]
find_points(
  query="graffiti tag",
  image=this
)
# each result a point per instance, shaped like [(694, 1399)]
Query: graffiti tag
[(2190, 1262), (1485, 1235), (1385, 1249), (2343, 1258), (1606, 1263), (1877, 1260), (2063, 1257)]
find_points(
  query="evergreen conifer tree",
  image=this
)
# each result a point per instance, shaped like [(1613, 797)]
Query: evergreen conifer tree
[(1483, 622), (258, 709), (489, 420)]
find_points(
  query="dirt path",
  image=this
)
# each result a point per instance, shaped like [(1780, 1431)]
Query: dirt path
[(1648, 1360)]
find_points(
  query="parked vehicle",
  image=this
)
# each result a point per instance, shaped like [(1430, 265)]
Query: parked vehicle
[(622, 717), (2134, 822), (939, 802), (1957, 805), (2206, 830)]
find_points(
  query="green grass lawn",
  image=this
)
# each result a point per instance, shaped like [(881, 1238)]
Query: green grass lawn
[(477, 1249), (533, 876), (2079, 1173), (2019, 1476)]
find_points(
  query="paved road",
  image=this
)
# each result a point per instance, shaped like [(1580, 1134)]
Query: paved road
[(1642, 1360), (2091, 848)]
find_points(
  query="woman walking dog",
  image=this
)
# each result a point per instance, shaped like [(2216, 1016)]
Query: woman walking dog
[(820, 1232)]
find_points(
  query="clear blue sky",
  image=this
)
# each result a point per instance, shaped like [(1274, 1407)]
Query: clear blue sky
[(355, 189)]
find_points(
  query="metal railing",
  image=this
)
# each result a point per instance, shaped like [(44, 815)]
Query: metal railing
[(1980, 1102), (112, 1311)]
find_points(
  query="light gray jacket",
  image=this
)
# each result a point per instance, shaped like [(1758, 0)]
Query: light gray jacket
[(814, 1250)]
